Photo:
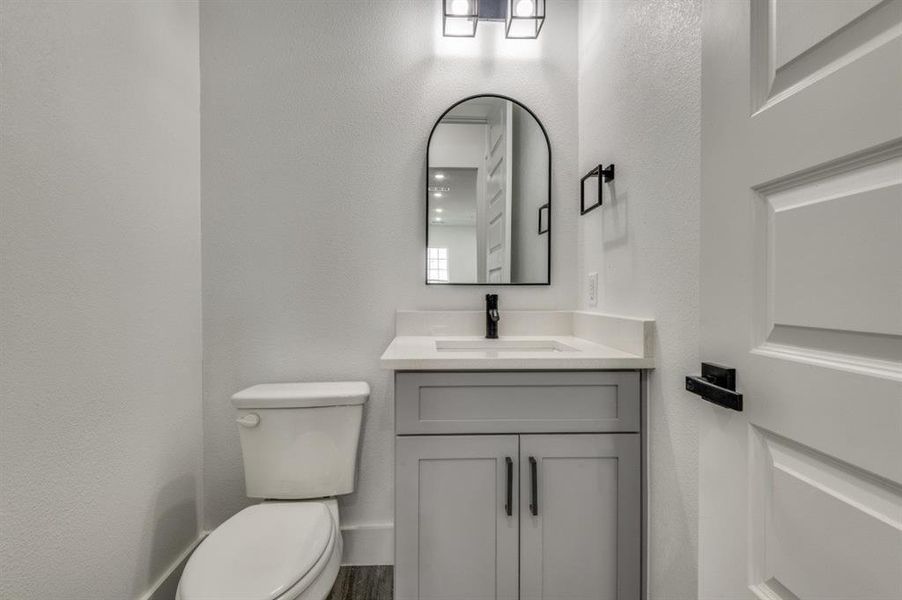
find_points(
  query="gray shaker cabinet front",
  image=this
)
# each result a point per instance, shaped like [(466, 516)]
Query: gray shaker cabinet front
[(534, 516), (453, 536), (580, 531)]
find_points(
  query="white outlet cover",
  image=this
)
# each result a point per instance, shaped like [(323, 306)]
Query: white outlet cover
[(592, 291)]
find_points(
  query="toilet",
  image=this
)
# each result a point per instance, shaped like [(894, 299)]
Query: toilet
[(299, 444)]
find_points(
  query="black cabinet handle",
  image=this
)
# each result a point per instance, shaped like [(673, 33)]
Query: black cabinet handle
[(534, 471), (509, 506)]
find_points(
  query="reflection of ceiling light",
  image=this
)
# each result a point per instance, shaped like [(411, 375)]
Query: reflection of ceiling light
[(524, 8), (437, 195), (439, 176), (438, 219), (438, 210)]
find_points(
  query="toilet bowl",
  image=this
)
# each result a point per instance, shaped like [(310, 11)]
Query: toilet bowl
[(269, 551), (299, 446)]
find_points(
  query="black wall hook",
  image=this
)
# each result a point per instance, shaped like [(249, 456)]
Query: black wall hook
[(605, 176)]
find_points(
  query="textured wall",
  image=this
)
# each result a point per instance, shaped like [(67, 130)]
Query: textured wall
[(100, 338), (639, 107), (314, 129)]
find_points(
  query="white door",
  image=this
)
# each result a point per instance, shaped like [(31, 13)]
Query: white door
[(801, 493), (580, 502), (497, 195), (456, 522)]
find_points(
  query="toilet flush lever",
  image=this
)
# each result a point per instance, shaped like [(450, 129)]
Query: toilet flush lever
[(249, 420)]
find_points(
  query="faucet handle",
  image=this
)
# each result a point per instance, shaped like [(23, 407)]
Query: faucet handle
[(491, 316)]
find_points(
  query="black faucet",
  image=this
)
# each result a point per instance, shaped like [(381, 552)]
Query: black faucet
[(491, 316)]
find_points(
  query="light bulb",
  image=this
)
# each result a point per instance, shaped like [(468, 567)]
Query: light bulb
[(439, 176), (437, 195), (525, 8), (439, 210), (438, 219), (460, 7)]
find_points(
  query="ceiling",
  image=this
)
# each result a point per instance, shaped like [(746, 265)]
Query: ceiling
[(475, 110)]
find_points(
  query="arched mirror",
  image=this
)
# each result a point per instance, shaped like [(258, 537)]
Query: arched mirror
[(488, 195)]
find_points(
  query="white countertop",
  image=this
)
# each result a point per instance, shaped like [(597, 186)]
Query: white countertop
[(419, 353), (597, 341)]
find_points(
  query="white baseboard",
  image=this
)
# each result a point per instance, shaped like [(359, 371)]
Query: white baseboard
[(165, 586), (368, 544)]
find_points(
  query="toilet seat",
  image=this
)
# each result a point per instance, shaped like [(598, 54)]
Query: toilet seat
[(270, 551)]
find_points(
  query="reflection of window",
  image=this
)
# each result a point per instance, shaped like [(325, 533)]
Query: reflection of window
[(437, 264)]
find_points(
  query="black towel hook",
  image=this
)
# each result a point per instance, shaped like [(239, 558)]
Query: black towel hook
[(604, 176)]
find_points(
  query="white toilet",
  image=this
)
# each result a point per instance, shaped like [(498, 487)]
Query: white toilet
[(299, 442)]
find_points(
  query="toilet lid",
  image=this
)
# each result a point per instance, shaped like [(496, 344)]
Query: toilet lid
[(259, 553)]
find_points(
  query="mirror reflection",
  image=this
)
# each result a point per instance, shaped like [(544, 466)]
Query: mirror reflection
[(488, 195)]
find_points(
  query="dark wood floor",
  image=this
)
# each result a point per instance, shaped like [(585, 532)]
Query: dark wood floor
[(363, 583)]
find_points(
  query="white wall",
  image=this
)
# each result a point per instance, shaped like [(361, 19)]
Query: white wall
[(461, 244), (458, 145), (314, 128), (100, 339), (529, 255), (639, 103)]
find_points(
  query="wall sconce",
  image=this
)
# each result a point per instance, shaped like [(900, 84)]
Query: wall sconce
[(523, 19), (459, 18)]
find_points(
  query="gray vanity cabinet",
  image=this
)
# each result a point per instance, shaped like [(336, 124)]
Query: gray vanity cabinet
[(583, 538), (454, 538), (514, 512)]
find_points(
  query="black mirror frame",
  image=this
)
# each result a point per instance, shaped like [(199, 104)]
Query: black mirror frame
[(546, 206)]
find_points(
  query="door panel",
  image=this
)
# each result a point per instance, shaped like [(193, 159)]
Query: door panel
[(798, 28), (816, 512), (453, 538), (498, 193), (835, 248), (584, 541), (801, 495)]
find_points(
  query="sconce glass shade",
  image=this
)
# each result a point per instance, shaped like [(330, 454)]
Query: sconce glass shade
[(524, 19), (459, 18)]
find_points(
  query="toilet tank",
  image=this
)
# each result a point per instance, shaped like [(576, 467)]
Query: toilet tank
[(299, 440)]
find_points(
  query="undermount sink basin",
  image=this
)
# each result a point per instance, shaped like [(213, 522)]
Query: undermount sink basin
[(502, 346)]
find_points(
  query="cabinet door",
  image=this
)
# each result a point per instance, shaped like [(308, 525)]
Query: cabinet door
[(580, 517), (454, 538)]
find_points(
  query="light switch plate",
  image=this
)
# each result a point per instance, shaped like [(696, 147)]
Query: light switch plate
[(592, 289)]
